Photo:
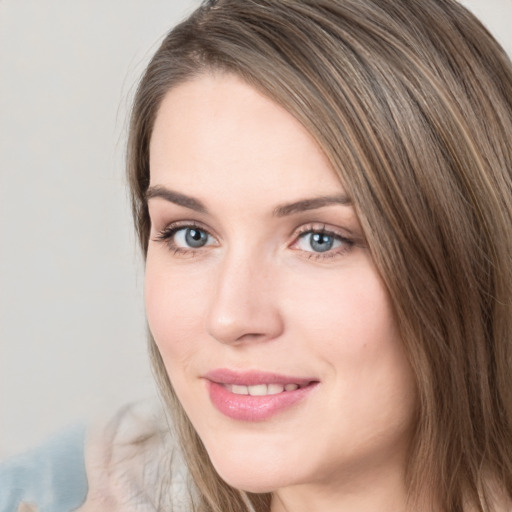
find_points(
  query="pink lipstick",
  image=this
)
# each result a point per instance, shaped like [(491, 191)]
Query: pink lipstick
[(255, 396)]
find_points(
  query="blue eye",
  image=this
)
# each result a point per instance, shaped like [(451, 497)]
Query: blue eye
[(318, 241), (184, 239), (191, 237)]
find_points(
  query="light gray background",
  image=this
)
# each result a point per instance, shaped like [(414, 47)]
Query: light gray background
[(72, 329)]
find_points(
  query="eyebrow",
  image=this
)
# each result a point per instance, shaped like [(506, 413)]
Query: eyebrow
[(176, 198), (280, 211), (311, 204)]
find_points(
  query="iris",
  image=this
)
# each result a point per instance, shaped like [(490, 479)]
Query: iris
[(195, 237), (321, 242)]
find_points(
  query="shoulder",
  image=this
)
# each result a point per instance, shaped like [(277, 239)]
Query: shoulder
[(134, 464)]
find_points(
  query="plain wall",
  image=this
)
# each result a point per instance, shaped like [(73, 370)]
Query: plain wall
[(72, 328)]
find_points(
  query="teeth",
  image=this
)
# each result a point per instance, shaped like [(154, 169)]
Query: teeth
[(239, 390), (261, 389), (274, 389), (258, 390)]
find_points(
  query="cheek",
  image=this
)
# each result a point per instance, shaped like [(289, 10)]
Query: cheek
[(349, 324), (174, 308), (349, 316)]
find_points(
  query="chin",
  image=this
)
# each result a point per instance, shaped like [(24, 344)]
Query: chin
[(253, 471), (250, 481)]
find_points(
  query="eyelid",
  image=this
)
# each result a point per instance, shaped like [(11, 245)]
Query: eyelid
[(348, 242), (167, 233), (321, 227), (182, 224)]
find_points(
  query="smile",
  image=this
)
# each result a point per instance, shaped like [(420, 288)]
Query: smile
[(261, 389), (255, 396)]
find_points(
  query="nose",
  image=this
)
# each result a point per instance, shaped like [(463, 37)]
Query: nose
[(244, 305)]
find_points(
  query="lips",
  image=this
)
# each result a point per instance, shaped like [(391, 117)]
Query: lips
[(255, 396)]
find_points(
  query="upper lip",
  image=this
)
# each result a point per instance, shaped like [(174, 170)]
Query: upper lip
[(254, 377)]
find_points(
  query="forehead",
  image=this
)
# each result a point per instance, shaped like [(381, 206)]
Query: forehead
[(216, 133)]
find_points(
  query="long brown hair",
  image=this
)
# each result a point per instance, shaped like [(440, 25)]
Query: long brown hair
[(411, 101)]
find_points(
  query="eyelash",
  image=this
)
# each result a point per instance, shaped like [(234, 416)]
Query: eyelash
[(167, 234), (346, 243)]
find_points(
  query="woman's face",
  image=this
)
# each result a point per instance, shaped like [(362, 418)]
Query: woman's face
[(274, 326)]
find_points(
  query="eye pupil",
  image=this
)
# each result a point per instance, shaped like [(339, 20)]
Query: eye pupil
[(320, 242), (195, 237)]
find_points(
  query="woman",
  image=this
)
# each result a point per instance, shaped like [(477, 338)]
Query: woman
[(323, 194)]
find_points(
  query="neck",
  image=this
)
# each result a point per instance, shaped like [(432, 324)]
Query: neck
[(372, 491), (380, 490)]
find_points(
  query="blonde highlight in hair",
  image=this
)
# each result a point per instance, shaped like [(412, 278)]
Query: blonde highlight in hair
[(411, 101)]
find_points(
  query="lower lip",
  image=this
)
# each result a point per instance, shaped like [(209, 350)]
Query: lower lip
[(254, 408)]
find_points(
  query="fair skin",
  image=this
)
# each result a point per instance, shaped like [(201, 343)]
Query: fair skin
[(238, 279)]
